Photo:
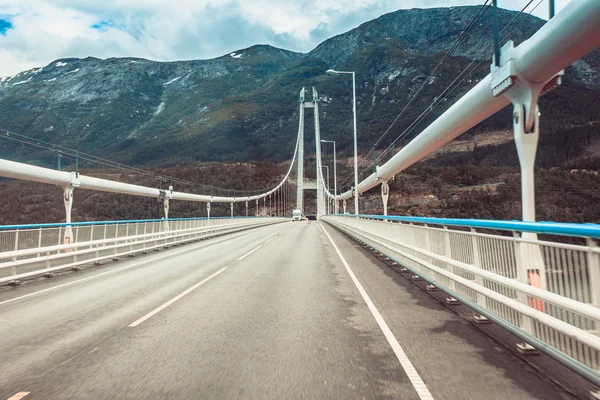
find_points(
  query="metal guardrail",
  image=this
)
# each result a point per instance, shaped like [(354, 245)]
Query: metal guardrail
[(546, 292), (31, 250)]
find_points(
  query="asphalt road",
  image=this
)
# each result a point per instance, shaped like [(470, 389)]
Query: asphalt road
[(227, 319)]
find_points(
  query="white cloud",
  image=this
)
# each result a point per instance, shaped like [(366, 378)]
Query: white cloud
[(45, 30)]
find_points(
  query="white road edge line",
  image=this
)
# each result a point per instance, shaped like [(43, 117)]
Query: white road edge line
[(250, 252), (18, 396), (271, 239), (95, 276), (406, 364), (174, 299)]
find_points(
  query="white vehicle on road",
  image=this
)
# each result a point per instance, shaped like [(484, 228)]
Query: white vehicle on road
[(296, 215)]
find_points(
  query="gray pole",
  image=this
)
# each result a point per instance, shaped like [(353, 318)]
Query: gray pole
[(327, 168), (285, 187), (335, 208), (328, 188), (355, 145)]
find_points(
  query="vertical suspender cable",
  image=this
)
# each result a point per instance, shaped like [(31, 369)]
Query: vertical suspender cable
[(496, 35)]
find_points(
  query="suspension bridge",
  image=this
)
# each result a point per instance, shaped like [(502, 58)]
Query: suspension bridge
[(348, 306)]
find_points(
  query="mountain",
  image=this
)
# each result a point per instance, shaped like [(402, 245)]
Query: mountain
[(243, 105)]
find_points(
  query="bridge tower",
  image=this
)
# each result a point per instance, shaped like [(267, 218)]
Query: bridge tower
[(302, 185), (300, 177), (321, 205)]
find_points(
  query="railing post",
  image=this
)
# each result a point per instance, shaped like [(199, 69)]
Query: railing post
[(39, 240), (427, 239), (137, 224), (526, 324), (448, 251), (91, 233), (75, 252), (116, 237), (60, 238), (593, 264), (166, 238), (14, 269), (145, 239), (154, 236), (412, 238), (478, 278), (97, 246)]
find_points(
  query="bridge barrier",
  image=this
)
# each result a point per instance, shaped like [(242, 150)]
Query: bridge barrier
[(547, 292), (32, 250)]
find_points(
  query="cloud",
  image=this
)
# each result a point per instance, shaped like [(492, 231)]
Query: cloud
[(35, 32)]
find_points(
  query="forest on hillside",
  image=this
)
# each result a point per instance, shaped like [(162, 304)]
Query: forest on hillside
[(485, 182), (482, 181)]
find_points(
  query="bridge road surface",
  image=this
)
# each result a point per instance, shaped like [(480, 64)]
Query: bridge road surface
[(226, 319)]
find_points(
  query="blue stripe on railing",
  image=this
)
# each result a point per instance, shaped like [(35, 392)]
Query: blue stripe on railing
[(550, 228), (63, 224)]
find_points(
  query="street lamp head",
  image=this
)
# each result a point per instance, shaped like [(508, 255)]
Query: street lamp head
[(331, 72)]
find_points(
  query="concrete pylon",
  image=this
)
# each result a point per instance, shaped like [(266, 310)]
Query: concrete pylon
[(314, 104), (321, 208), (300, 185)]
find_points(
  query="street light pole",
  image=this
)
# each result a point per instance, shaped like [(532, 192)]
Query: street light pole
[(331, 72), (335, 207), (328, 186), (356, 194)]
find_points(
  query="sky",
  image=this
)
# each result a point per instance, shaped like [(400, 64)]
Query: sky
[(33, 33)]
